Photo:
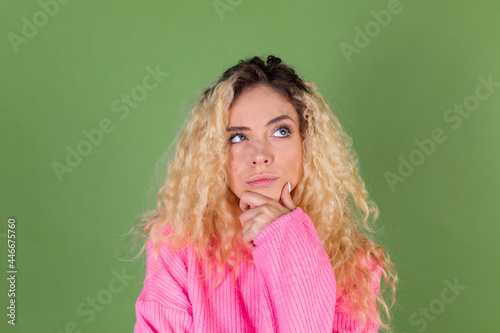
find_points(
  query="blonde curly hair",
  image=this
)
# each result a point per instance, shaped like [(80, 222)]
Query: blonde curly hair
[(197, 206)]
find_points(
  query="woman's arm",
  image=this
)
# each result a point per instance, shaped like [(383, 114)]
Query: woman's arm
[(296, 276), (163, 305), (154, 317)]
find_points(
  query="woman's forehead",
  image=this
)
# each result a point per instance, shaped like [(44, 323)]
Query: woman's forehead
[(260, 105)]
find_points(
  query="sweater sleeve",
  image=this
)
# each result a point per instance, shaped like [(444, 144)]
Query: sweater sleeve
[(297, 279), (163, 304)]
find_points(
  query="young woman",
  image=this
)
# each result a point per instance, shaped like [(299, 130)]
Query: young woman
[(262, 223)]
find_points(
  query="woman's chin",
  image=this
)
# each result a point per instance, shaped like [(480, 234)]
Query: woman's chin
[(269, 192)]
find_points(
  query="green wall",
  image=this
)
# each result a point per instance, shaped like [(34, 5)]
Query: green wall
[(411, 89)]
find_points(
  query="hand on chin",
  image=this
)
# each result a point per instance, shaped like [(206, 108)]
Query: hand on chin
[(260, 209)]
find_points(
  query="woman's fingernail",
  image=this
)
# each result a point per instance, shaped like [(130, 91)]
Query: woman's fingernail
[(289, 187)]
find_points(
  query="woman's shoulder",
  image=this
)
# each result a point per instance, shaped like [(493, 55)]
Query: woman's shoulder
[(162, 253), (166, 281)]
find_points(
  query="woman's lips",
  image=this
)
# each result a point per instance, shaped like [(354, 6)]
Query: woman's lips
[(262, 182)]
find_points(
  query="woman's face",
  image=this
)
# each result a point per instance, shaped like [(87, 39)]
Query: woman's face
[(265, 149)]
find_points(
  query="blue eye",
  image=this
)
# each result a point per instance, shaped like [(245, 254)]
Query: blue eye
[(284, 131), (237, 135)]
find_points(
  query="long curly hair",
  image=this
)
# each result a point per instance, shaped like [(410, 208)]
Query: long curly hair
[(197, 207)]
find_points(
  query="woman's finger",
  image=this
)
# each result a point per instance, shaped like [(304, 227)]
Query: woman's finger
[(286, 197), (247, 234), (250, 200), (247, 216), (253, 227)]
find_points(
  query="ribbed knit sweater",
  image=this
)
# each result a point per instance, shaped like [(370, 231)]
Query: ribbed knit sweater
[(290, 287)]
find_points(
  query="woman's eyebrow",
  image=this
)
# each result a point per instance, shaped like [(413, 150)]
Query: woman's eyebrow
[(279, 118), (272, 121), (238, 128)]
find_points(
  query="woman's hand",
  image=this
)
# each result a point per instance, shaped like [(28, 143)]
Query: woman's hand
[(259, 211)]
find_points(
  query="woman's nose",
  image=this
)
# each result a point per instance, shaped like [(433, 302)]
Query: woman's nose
[(262, 154), (260, 159)]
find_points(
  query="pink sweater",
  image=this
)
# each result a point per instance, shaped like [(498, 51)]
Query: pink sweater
[(290, 287)]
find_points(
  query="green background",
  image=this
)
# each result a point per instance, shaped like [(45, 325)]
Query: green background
[(440, 224)]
